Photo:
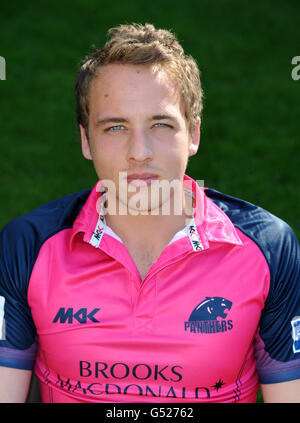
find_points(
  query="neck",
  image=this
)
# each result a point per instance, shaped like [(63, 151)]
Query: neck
[(154, 226)]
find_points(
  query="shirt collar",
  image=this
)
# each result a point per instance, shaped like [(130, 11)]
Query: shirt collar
[(212, 223), (209, 223)]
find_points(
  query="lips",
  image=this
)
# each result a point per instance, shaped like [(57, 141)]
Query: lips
[(140, 179)]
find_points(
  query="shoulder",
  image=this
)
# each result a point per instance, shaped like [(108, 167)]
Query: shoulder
[(272, 235), (47, 218), (263, 227), (21, 238)]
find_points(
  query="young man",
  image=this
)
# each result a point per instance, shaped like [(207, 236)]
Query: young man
[(148, 288)]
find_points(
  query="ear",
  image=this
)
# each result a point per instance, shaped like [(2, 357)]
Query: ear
[(85, 145), (195, 138)]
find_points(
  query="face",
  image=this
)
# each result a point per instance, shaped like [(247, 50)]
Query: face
[(138, 135)]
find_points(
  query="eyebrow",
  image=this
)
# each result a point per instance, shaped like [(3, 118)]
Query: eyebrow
[(104, 121), (110, 120), (164, 117)]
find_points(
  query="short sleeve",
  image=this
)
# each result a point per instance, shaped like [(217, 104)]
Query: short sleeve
[(17, 330), (20, 243), (277, 342)]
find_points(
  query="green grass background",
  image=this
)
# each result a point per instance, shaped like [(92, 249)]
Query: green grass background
[(250, 123)]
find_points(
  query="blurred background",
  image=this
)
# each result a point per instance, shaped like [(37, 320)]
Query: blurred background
[(250, 123)]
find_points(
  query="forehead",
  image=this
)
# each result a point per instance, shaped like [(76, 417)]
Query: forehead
[(135, 88)]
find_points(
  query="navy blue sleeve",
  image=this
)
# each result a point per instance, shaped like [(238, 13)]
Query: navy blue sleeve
[(277, 344), (278, 339), (20, 243), (17, 331)]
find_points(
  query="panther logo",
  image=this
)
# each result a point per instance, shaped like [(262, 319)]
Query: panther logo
[(210, 309)]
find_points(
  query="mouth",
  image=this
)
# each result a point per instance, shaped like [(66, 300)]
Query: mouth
[(141, 179)]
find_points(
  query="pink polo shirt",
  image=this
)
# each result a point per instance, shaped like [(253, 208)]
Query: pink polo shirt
[(202, 326)]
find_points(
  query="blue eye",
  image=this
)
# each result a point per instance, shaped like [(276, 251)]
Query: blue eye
[(162, 125), (114, 128)]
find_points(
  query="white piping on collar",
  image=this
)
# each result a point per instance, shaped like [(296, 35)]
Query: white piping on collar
[(101, 227)]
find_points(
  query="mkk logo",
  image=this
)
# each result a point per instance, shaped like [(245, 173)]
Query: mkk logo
[(82, 316), (209, 316)]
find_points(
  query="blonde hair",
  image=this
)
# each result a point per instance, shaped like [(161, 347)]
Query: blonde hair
[(142, 45)]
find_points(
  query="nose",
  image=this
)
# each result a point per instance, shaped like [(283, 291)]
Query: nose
[(139, 147)]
